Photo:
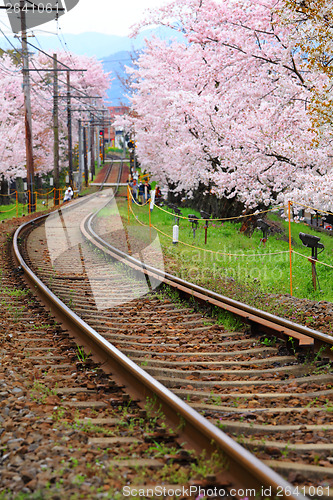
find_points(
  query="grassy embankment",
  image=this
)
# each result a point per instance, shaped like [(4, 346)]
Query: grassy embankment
[(9, 211), (254, 268)]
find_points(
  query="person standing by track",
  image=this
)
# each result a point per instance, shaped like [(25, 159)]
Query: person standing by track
[(134, 189), (147, 189)]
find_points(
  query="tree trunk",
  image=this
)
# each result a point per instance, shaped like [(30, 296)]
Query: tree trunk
[(216, 207), (4, 198)]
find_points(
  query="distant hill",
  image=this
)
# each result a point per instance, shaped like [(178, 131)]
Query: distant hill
[(115, 64)]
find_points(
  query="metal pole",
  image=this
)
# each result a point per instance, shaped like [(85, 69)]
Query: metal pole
[(290, 249), (27, 111), (103, 146), (92, 139), (56, 130), (80, 157), (124, 143), (89, 150), (69, 128), (86, 180), (313, 266)]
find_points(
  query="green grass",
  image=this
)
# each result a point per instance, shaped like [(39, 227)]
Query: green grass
[(9, 211), (230, 255), (114, 150)]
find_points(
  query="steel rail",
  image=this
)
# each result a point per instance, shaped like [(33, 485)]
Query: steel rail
[(120, 171), (250, 315), (240, 468), (106, 176)]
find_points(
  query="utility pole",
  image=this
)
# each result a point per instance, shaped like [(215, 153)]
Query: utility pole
[(80, 157), (98, 148), (86, 181), (56, 132), (27, 112), (103, 146), (92, 142), (89, 150), (69, 129)]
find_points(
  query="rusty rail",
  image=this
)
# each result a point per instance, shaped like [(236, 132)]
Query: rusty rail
[(256, 318), (240, 468)]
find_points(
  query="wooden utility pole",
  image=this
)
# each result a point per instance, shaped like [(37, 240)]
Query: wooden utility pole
[(69, 128), (27, 113), (56, 131)]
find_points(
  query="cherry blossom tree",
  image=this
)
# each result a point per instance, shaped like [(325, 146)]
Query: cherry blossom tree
[(311, 28), (226, 111), (92, 82), (11, 113)]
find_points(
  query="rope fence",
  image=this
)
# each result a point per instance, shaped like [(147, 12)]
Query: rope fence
[(224, 219), (309, 258), (54, 196), (290, 251)]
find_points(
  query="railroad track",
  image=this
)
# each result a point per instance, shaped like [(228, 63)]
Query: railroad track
[(117, 169), (255, 390), (66, 428)]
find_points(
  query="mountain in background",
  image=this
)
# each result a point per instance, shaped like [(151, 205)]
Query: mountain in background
[(115, 65), (112, 50)]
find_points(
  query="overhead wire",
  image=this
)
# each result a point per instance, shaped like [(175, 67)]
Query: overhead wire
[(88, 107), (19, 52)]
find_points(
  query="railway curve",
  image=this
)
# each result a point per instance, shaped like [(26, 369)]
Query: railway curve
[(229, 377)]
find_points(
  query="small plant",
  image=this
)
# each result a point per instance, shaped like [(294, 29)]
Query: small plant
[(319, 353), (153, 414), (79, 479), (81, 355), (268, 341), (71, 303), (221, 425), (312, 402), (205, 467), (40, 392), (329, 406), (292, 343), (226, 319), (58, 414), (160, 450), (240, 438), (286, 450)]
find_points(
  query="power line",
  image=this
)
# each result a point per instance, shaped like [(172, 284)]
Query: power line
[(15, 48)]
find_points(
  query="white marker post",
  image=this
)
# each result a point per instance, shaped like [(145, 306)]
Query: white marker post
[(152, 199), (175, 234)]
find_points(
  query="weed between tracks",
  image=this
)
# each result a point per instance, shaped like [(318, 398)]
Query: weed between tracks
[(221, 317)]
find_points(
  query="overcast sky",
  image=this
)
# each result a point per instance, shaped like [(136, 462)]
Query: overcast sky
[(112, 17)]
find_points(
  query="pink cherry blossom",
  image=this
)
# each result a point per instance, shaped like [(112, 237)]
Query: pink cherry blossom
[(227, 107)]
